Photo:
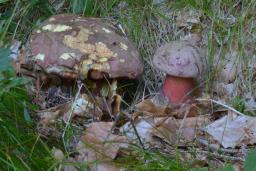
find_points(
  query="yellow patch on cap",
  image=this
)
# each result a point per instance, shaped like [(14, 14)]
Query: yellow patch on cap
[(85, 67), (101, 66), (56, 27), (103, 59), (123, 46), (102, 50), (78, 42), (87, 62)]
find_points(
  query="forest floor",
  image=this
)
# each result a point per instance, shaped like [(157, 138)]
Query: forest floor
[(223, 100)]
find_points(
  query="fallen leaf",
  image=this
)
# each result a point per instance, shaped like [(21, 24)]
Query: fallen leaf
[(169, 129), (99, 142), (49, 116), (143, 130), (84, 106), (173, 130), (148, 107), (158, 106), (233, 130)]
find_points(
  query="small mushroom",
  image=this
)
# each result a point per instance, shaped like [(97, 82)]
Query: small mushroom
[(181, 62)]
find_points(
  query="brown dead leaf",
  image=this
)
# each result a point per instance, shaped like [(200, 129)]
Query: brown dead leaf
[(84, 106), (158, 107), (174, 130), (99, 142), (143, 126), (169, 129), (187, 110), (233, 130), (148, 107), (49, 116)]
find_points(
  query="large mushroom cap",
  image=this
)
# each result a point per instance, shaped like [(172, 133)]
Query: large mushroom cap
[(72, 46), (179, 58)]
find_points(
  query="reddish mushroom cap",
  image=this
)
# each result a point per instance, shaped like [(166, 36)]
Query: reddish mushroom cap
[(179, 58), (72, 46)]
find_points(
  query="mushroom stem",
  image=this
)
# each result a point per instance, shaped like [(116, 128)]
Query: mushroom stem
[(177, 89)]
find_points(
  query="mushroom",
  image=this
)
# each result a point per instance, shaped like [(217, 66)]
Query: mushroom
[(68, 47), (181, 62)]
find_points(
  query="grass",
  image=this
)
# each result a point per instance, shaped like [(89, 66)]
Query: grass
[(152, 160), (21, 148), (228, 24)]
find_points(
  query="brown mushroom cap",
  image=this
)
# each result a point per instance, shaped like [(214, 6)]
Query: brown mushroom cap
[(179, 58), (72, 46)]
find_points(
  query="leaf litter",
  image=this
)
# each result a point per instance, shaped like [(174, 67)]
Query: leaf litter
[(189, 126)]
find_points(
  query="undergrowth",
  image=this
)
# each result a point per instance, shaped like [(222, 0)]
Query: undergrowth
[(21, 148), (148, 25)]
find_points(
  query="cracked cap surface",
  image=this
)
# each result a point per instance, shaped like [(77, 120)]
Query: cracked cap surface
[(72, 46)]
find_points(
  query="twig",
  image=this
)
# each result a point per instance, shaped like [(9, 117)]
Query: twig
[(135, 130), (70, 114), (224, 105), (214, 147), (222, 156), (137, 134)]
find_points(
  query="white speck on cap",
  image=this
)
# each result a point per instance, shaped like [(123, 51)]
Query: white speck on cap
[(106, 30), (39, 57), (67, 56), (122, 60)]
